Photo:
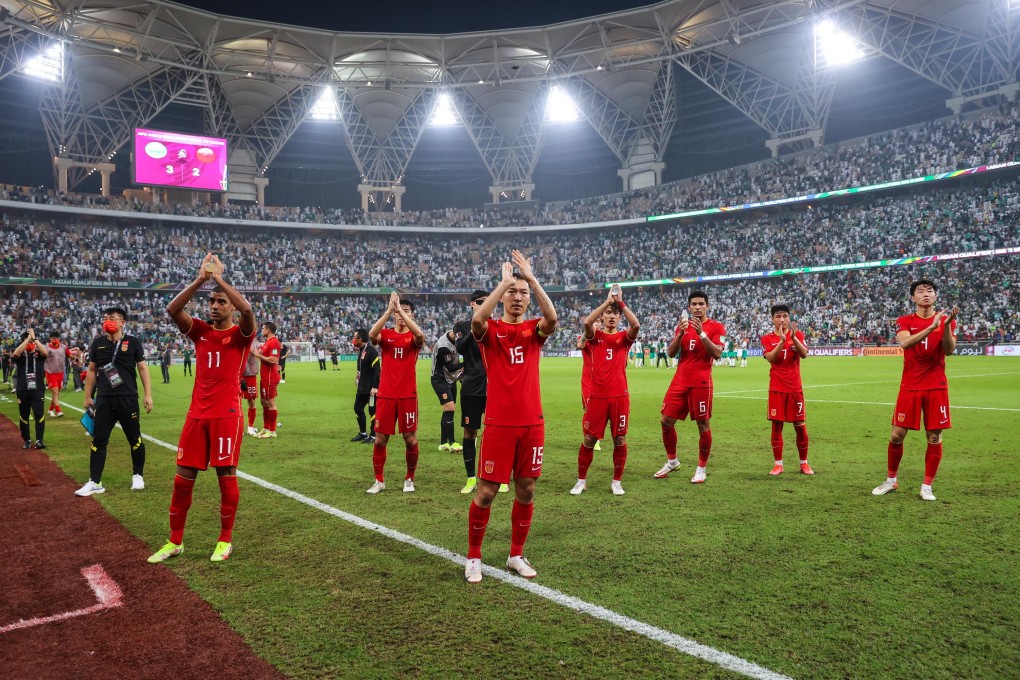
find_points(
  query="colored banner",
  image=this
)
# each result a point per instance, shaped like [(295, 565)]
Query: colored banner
[(892, 351), (1002, 351)]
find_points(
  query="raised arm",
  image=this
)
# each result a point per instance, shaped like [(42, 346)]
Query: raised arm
[(949, 336), (419, 336), (373, 333), (483, 312), (547, 326), (176, 306), (239, 301)]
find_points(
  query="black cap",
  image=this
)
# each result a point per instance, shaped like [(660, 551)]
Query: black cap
[(479, 295)]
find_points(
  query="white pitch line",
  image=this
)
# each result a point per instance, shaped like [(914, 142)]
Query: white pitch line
[(869, 382), (880, 403), (677, 642), (107, 592)]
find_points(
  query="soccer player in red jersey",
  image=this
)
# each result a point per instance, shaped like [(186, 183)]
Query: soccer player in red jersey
[(698, 340), (610, 399), (586, 375), (784, 347), (396, 403), (269, 377), (926, 341), (249, 386), (214, 427), (514, 425)]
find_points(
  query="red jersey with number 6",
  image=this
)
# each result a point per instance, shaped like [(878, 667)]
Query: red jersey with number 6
[(784, 375), (607, 355), (511, 352), (695, 366), (924, 364), (399, 353), (219, 357)]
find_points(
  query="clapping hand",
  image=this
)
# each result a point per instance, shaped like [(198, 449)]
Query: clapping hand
[(523, 264), (508, 273)]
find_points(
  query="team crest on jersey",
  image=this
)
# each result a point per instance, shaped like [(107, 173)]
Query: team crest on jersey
[(489, 467), (772, 411), (225, 341), (180, 453), (124, 346), (526, 334), (586, 424), (901, 417)]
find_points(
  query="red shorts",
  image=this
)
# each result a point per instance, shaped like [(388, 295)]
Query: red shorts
[(510, 449), (585, 395), (681, 402), (612, 411), (934, 403), (268, 391), (251, 390), (393, 415), (54, 381), (787, 407), (210, 441)]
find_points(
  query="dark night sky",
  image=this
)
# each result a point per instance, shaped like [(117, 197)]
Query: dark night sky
[(404, 16)]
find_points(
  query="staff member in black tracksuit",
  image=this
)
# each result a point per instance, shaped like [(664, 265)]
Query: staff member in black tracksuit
[(30, 387), (367, 380), (445, 373), (113, 360)]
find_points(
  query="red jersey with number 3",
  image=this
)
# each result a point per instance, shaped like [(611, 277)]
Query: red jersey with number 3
[(695, 366), (511, 352), (219, 357), (784, 375), (607, 355), (924, 364), (399, 360), (269, 374)]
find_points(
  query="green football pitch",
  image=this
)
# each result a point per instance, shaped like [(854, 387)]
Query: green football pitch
[(809, 577)]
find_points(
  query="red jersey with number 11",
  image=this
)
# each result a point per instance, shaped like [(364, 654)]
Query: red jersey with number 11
[(608, 358), (510, 352), (219, 357)]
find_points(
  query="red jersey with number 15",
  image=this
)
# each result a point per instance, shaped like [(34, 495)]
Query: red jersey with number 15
[(399, 353), (924, 364), (695, 366), (607, 355), (511, 352), (784, 375), (219, 357)]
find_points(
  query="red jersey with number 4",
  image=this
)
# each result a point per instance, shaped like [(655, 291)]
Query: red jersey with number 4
[(269, 374), (695, 366), (399, 353), (924, 364), (219, 357), (511, 352), (607, 355), (784, 375)]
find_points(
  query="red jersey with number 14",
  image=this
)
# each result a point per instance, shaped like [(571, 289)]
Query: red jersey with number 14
[(695, 366), (924, 364), (219, 357), (511, 352), (784, 375), (607, 355), (399, 359)]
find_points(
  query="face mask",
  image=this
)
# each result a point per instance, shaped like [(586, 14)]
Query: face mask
[(54, 344), (111, 326), (30, 347)]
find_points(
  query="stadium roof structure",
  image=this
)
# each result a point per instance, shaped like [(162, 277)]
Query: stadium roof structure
[(126, 60)]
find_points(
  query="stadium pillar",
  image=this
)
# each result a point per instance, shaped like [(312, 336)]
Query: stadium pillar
[(816, 137), (62, 165), (1008, 91), (641, 175), (398, 194), (105, 170), (260, 189), (527, 189), (366, 192)]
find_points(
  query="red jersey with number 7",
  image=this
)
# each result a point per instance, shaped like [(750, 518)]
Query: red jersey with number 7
[(784, 375), (924, 364), (695, 366), (399, 353), (219, 357), (511, 352), (607, 355)]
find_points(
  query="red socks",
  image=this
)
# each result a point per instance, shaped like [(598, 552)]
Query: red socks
[(378, 461), (894, 456), (54, 406), (932, 458), (584, 458), (777, 440), (180, 502), (802, 441), (229, 497), (269, 419), (704, 447), (251, 416), (669, 441), (478, 520), (411, 456), (619, 461), (520, 525)]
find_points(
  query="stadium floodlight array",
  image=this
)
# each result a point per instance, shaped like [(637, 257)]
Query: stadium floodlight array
[(823, 269), (850, 191)]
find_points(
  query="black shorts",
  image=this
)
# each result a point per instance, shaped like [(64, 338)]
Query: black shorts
[(446, 392), (471, 410)]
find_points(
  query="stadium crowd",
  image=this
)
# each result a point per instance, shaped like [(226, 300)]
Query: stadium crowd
[(934, 147)]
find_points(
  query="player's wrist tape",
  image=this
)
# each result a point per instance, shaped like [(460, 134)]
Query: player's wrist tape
[(623, 305), (703, 335)]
